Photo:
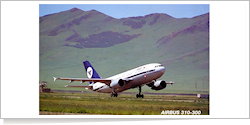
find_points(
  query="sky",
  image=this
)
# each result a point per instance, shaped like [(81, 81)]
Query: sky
[(131, 10)]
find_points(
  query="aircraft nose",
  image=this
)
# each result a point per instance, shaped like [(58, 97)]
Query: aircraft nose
[(162, 70)]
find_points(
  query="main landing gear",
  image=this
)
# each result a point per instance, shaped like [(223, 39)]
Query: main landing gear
[(113, 94), (139, 95)]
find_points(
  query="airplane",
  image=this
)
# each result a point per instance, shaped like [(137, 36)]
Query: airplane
[(137, 77)]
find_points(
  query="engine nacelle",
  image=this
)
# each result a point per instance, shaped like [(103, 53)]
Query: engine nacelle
[(158, 85), (117, 83)]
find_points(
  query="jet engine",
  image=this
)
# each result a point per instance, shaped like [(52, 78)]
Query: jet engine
[(117, 83), (158, 85)]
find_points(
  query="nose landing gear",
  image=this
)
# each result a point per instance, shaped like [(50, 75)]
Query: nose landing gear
[(139, 95)]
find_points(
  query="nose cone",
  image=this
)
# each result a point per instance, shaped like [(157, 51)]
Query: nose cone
[(162, 70)]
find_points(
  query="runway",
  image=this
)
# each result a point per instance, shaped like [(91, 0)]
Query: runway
[(133, 93)]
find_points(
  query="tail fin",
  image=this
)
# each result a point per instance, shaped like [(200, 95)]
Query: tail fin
[(91, 73)]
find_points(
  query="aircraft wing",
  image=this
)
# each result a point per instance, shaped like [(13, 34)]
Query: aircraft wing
[(76, 86), (170, 82), (106, 81)]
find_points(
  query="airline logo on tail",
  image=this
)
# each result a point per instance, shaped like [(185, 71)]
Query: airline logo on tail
[(89, 72)]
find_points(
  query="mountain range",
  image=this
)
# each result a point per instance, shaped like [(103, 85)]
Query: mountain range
[(112, 46)]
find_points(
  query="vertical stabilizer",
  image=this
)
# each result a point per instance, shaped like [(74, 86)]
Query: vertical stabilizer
[(90, 71)]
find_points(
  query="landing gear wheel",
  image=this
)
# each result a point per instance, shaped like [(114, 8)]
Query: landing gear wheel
[(113, 95), (139, 96)]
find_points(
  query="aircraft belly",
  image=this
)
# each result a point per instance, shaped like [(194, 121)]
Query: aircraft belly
[(105, 89)]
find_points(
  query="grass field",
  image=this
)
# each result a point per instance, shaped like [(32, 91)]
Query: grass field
[(124, 104)]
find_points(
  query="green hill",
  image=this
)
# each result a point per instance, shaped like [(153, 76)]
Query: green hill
[(115, 45)]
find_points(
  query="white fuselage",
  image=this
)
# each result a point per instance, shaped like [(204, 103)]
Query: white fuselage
[(136, 77)]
